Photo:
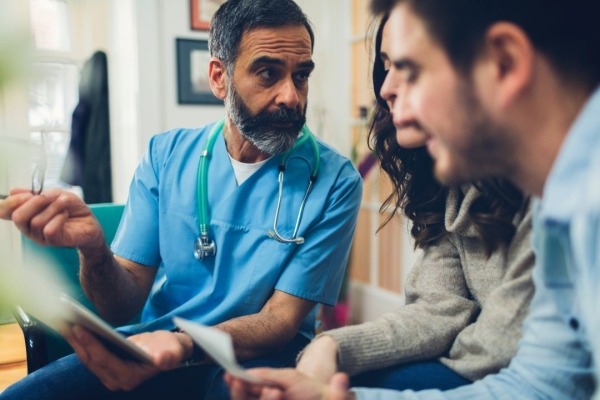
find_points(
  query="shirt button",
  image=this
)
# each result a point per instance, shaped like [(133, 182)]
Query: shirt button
[(573, 323)]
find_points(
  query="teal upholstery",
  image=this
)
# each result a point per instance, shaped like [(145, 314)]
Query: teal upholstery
[(44, 345)]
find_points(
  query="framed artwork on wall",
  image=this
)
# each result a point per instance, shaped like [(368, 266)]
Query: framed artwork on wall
[(201, 11), (192, 73)]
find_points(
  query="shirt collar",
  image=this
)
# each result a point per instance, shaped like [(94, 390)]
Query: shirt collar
[(569, 173)]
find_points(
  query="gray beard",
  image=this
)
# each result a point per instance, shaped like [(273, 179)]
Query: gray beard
[(258, 129)]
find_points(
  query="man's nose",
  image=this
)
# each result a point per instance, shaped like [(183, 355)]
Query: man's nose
[(288, 94)]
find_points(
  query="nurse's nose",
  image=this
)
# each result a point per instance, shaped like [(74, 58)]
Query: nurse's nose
[(288, 94)]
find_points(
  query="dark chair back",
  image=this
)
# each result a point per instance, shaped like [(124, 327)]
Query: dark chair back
[(43, 344)]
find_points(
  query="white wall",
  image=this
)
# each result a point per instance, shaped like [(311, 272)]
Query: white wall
[(329, 96)]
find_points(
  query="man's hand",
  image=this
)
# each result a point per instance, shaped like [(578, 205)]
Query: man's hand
[(167, 349), (288, 384), (55, 218), (319, 359)]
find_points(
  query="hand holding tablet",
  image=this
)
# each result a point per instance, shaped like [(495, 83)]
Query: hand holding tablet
[(76, 314)]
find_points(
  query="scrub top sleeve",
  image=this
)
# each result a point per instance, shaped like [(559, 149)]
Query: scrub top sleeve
[(137, 237), (317, 269)]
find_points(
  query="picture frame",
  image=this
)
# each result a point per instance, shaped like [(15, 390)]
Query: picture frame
[(192, 73), (201, 12)]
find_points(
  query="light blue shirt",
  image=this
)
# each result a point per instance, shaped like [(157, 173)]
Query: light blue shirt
[(160, 225), (561, 339)]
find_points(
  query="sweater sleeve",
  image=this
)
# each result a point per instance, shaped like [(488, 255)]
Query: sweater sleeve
[(488, 344), (438, 308)]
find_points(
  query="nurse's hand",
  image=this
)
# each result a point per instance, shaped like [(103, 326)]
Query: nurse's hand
[(288, 384), (55, 218), (166, 348)]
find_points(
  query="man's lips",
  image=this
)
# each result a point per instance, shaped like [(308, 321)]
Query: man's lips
[(282, 124)]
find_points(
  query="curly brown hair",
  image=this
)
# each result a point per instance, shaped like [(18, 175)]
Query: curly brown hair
[(416, 192)]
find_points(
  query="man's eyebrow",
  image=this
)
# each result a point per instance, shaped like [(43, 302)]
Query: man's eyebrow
[(307, 64), (276, 61)]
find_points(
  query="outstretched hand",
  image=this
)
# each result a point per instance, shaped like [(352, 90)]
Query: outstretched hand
[(288, 384), (55, 218)]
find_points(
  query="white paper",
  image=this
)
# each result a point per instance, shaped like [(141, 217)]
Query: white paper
[(218, 345)]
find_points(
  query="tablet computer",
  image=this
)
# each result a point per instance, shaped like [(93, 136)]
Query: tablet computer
[(75, 313)]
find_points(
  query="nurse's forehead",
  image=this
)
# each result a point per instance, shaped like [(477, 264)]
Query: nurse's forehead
[(290, 40)]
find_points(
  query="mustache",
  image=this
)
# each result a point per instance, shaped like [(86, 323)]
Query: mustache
[(282, 114)]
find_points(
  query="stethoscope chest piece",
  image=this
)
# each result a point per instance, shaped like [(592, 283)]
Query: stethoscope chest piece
[(204, 247)]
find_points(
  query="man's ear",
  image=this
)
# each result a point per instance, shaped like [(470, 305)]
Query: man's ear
[(217, 77), (510, 58)]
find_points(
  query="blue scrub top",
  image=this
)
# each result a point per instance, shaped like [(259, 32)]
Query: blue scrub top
[(160, 224)]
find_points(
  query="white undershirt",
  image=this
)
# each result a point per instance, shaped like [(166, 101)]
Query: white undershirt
[(244, 171)]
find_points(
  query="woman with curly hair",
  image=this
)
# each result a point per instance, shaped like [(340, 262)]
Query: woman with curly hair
[(469, 290)]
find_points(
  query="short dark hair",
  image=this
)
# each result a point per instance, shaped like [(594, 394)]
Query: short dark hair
[(236, 17), (566, 32)]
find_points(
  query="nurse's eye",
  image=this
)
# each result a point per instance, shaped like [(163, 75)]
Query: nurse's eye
[(267, 74), (301, 77)]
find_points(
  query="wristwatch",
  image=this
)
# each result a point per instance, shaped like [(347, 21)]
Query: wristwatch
[(198, 355)]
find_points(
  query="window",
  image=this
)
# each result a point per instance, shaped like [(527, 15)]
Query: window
[(53, 84)]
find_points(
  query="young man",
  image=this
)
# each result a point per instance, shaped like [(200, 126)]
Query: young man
[(507, 88), (263, 281)]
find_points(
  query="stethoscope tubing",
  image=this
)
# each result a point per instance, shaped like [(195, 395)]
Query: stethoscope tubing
[(204, 246)]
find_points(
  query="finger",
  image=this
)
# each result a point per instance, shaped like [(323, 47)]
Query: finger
[(239, 390), (338, 387), (58, 204), (109, 369), (271, 394), (276, 377), (11, 203), (52, 231), (26, 211), (15, 191), (80, 340), (229, 379), (70, 336)]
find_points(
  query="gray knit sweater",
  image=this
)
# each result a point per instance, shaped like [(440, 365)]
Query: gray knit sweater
[(461, 307)]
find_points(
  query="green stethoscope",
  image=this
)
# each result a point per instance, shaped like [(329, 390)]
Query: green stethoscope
[(204, 246)]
